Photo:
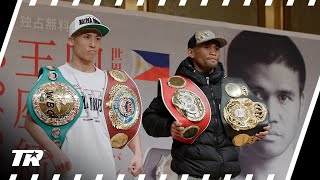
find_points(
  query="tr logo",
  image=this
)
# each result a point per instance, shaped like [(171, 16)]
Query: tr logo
[(32, 157)]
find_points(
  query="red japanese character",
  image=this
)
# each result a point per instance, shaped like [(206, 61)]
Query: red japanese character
[(116, 54), (3, 62), (36, 56), (116, 66), (2, 89), (22, 108)]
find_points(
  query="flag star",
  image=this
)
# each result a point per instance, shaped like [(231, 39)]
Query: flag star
[(140, 64)]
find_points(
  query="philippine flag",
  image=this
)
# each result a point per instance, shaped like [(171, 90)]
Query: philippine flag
[(149, 66)]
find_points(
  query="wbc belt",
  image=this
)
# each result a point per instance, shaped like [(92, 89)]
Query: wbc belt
[(187, 104), (243, 112), (122, 108), (54, 104)]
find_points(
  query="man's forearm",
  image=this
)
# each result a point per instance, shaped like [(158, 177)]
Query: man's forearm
[(40, 136), (135, 145)]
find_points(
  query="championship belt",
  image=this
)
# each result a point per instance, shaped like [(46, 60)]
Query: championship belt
[(244, 113), (122, 108), (54, 104), (187, 104)]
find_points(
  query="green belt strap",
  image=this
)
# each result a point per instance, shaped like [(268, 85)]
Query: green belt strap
[(52, 76)]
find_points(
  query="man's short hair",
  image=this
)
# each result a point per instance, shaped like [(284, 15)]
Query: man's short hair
[(249, 48)]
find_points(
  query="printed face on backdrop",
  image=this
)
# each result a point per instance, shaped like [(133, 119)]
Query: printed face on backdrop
[(278, 87)]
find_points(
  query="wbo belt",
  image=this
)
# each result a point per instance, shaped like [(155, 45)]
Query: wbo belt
[(54, 104), (243, 112), (122, 108), (187, 104)]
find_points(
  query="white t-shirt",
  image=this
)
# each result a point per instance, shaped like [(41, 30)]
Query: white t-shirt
[(87, 143)]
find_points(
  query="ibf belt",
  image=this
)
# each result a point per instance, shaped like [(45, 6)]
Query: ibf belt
[(243, 112), (54, 104), (122, 108), (187, 104)]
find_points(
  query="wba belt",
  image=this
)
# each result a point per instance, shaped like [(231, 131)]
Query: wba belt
[(244, 113), (187, 104), (122, 108), (54, 104)]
